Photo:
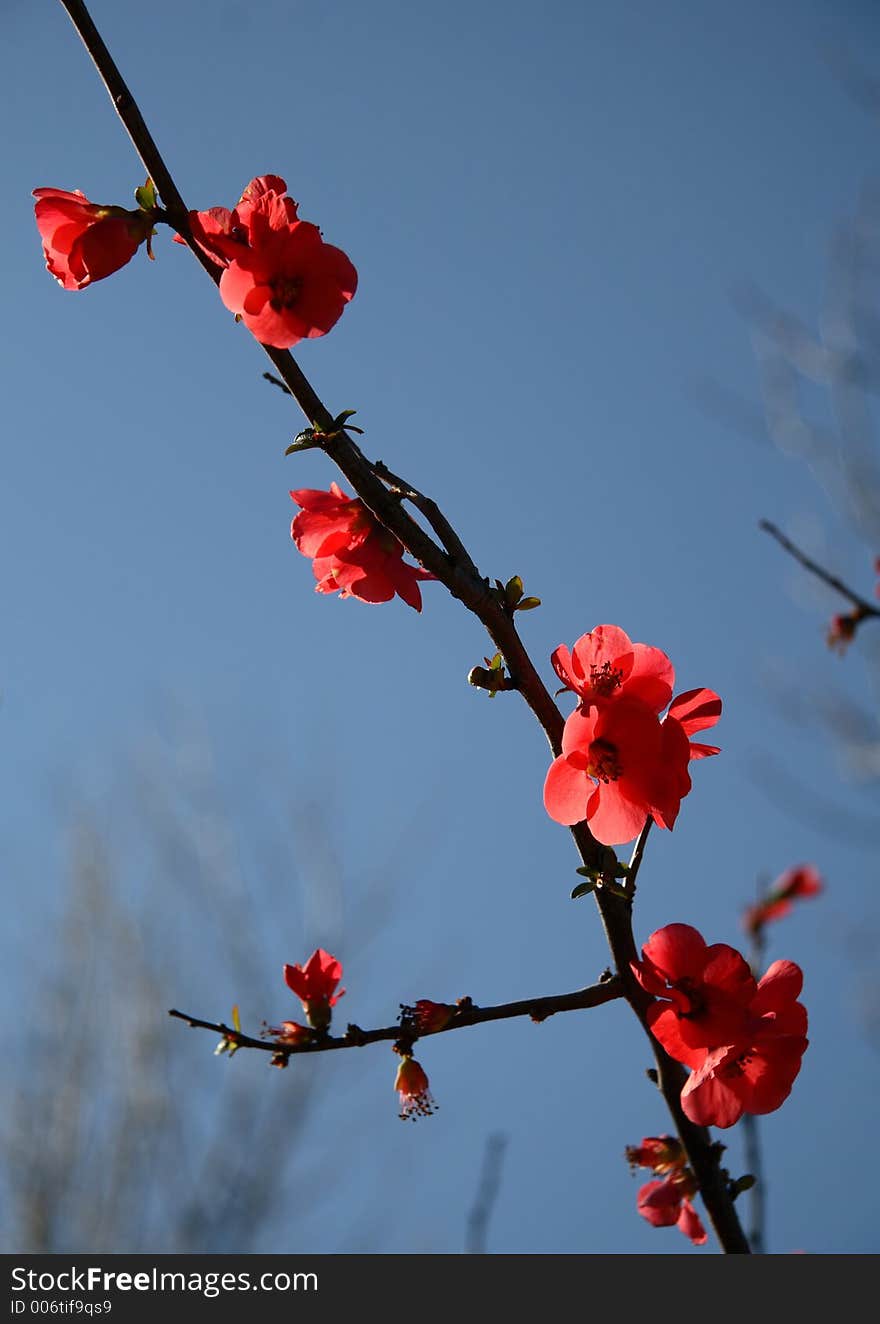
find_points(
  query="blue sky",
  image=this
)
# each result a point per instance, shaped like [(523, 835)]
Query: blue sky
[(549, 208)]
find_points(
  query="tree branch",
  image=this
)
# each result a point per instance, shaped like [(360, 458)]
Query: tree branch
[(864, 608), (466, 1014), (460, 576)]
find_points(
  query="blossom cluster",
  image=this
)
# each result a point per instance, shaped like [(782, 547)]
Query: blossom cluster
[(620, 761), (667, 1202), (351, 552), (279, 277), (741, 1038), (801, 881)]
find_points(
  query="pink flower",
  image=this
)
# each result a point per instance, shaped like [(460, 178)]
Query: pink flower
[(84, 241), (754, 1073), (279, 277), (704, 991), (801, 881), (667, 1203), (315, 986), (351, 552), (411, 1084)]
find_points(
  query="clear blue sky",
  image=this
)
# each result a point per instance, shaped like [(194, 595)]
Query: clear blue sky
[(548, 206)]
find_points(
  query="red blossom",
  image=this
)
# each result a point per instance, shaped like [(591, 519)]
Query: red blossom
[(803, 880), (620, 762), (618, 765), (352, 553), (704, 992), (315, 986), (606, 664), (411, 1084), (667, 1203), (659, 1153), (755, 1073), (279, 276), (84, 241)]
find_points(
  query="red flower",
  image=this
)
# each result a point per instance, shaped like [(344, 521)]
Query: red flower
[(659, 1153), (84, 241), (352, 553), (618, 765), (667, 1203), (705, 991), (755, 1073), (315, 986), (280, 277), (606, 664), (411, 1084), (803, 880)]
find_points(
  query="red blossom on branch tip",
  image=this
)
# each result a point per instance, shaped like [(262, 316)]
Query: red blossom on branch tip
[(84, 241), (415, 1097), (842, 629), (352, 554), (315, 986), (801, 881), (279, 276)]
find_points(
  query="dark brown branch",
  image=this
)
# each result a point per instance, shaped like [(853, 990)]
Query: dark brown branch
[(464, 582), (455, 548), (863, 607), (538, 1009)]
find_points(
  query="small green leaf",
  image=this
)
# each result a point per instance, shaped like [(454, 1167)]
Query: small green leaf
[(236, 1019), (583, 889), (145, 196), (528, 604), (622, 870), (513, 590)]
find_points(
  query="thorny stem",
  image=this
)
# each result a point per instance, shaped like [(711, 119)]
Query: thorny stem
[(863, 607), (538, 1009), (455, 569)]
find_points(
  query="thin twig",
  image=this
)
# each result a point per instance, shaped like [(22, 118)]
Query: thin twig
[(537, 1009), (865, 608)]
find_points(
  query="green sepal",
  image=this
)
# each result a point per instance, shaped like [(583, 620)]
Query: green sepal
[(528, 604)]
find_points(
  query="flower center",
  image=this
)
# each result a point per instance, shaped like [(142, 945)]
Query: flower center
[(603, 761), (285, 292), (605, 680)]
